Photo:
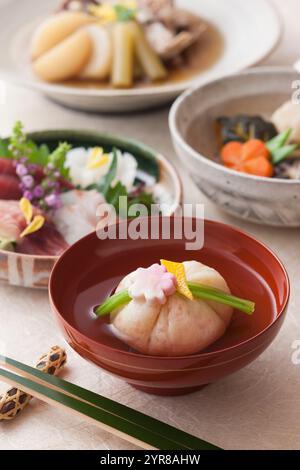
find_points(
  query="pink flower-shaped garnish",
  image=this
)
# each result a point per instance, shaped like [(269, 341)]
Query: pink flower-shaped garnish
[(153, 284)]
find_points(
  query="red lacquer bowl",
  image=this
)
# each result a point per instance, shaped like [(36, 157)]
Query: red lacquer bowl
[(90, 270)]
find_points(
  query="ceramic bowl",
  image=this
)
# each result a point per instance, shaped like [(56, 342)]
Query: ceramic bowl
[(251, 270), (34, 271), (247, 39), (260, 91)]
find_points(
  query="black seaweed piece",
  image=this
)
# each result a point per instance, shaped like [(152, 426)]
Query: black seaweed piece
[(243, 127)]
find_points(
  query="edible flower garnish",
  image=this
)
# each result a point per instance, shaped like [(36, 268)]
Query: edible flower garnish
[(153, 284), (42, 184), (33, 223), (97, 159), (108, 13), (27, 209), (178, 270)]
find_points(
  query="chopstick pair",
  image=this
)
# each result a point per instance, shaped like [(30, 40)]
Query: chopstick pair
[(122, 421)]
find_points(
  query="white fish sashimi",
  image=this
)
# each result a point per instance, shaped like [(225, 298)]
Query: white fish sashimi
[(77, 217)]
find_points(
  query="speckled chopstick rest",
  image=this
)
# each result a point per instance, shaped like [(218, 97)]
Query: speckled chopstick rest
[(14, 400)]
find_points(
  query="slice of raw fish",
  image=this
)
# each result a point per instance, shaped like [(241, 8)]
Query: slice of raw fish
[(7, 166), (77, 217), (10, 182), (12, 221), (10, 187), (46, 242)]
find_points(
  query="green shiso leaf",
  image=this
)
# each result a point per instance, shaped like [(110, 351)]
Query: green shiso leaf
[(144, 198), (199, 291), (112, 193), (4, 152), (105, 187)]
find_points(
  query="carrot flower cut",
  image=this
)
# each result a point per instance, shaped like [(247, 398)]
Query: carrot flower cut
[(253, 157), (256, 157)]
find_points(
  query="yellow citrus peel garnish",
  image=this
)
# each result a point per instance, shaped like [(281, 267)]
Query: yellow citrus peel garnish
[(105, 12), (26, 208), (33, 225), (178, 270), (36, 224), (97, 159)]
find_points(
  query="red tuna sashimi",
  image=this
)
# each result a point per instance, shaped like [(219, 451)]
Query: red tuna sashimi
[(10, 183), (7, 166), (46, 242), (10, 187)]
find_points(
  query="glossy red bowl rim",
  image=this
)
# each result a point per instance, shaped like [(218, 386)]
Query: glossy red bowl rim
[(198, 355)]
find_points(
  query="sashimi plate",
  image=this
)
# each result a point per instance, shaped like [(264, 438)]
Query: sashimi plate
[(32, 270), (247, 38)]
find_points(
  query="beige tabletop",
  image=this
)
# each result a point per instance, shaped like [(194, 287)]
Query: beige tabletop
[(256, 408)]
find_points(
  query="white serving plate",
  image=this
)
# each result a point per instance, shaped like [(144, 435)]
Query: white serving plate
[(250, 31)]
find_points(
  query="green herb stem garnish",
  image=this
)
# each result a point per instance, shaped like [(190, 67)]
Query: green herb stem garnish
[(210, 293), (278, 148), (112, 303), (199, 291), (58, 157)]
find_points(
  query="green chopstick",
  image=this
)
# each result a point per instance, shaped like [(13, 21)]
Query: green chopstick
[(125, 420)]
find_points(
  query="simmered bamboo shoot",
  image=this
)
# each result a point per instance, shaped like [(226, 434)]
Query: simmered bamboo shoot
[(149, 60), (123, 55)]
